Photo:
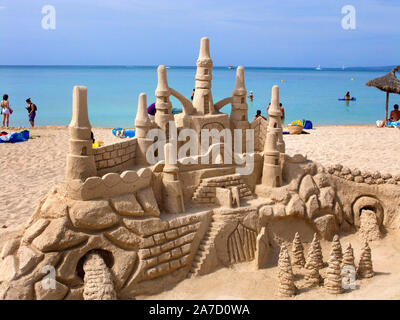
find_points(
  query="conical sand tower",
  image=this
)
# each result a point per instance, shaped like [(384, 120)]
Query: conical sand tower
[(275, 121), (163, 104), (272, 171), (203, 100), (337, 248), (298, 251), (287, 287), (80, 159), (365, 269), (315, 253), (348, 257), (333, 280)]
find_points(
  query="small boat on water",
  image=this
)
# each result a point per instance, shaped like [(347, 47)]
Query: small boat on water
[(231, 67), (318, 68)]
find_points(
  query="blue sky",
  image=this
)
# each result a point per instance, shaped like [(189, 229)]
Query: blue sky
[(251, 33)]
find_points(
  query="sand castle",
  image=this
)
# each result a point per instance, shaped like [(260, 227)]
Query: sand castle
[(120, 226)]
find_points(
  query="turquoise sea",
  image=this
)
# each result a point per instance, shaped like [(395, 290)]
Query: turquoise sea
[(113, 92)]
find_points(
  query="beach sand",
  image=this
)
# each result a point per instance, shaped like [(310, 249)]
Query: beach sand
[(28, 170)]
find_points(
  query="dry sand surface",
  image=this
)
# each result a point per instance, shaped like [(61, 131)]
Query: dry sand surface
[(29, 169)]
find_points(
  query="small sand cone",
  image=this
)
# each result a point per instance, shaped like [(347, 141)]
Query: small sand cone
[(333, 280), (348, 257), (287, 287), (337, 248), (365, 269), (312, 275), (316, 252), (298, 251)]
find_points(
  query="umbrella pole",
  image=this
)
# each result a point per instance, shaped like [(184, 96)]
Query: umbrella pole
[(387, 107)]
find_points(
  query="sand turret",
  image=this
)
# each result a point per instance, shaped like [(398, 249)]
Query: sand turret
[(142, 122), (272, 172), (239, 115), (239, 104), (142, 125), (172, 193), (315, 253), (163, 104), (202, 100), (275, 121), (80, 159)]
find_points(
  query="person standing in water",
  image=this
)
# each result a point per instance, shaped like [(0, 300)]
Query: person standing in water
[(5, 110), (347, 96), (251, 96), (31, 107)]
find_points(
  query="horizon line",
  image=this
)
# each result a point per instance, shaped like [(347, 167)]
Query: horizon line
[(183, 66)]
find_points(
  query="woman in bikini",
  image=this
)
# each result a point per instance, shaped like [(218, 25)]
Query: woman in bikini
[(5, 109)]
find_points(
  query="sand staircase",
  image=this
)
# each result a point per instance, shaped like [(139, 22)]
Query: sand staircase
[(204, 247), (205, 192)]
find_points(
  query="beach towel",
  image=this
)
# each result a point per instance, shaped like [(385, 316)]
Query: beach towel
[(15, 137)]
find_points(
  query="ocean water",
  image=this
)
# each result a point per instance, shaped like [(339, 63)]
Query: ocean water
[(113, 92)]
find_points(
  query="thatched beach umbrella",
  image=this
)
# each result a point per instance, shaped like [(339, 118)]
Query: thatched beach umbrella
[(389, 84)]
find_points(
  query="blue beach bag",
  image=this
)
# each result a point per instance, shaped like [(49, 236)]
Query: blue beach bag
[(307, 124)]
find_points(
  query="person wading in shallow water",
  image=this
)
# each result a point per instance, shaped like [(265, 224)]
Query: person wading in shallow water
[(31, 111)]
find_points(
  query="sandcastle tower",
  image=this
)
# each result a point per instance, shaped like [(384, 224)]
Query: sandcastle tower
[(163, 104), (275, 121), (142, 126), (298, 251), (333, 280), (287, 287), (315, 253), (172, 193), (365, 269), (203, 100), (80, 159), (337, 248), (239, 114), (272, 171), (348, 257)]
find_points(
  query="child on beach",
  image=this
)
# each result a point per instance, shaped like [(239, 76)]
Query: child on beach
[(31, 111), (6, 111)]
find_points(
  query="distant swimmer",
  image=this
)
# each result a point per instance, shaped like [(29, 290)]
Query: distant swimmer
[(251, 96)]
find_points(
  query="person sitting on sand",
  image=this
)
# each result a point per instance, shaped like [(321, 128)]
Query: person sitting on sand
[(5, 110), (258, 115), (31, 111), (395, 114)]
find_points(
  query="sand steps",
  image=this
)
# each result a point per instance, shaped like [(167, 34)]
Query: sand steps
[(205, 192), (204, 247)]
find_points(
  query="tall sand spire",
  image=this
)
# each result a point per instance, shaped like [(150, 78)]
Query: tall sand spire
[(202, 100), (275, 122), (80, 159)]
